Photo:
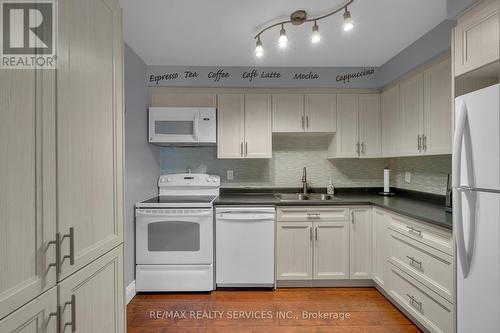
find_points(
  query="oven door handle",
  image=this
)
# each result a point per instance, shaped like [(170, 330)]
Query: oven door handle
[(158, 214)]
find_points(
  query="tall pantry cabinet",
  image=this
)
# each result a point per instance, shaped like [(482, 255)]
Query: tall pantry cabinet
[(61, 223)]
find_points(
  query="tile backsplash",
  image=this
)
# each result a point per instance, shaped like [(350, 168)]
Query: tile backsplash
[(292, 153)]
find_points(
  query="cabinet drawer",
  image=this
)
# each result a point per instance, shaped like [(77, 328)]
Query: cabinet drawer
[(435, 237), (432, 311), (429, 266), (313, 214)]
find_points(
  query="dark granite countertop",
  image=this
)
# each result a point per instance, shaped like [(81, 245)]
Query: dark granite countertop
[(424, 210)]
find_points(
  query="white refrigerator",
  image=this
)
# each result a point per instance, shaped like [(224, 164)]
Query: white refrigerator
[(476, 206)]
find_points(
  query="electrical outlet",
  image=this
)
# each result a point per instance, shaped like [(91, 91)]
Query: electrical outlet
[(230, 175), (407, 177)]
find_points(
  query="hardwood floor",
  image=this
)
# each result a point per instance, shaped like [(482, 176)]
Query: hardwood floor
[(342, 310)]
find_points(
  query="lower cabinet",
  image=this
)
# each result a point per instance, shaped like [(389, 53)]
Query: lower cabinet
[(94, 296), (90, 300), (331, 250), (37, 316), (294, 250), (380, 246), (361, 243)]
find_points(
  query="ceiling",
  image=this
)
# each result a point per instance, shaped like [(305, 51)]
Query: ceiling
[(220, 32)]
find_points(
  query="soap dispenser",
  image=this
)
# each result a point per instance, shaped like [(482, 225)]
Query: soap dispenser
[(330, 189)]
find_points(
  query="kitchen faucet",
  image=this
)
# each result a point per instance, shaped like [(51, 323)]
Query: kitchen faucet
[(304, 181)]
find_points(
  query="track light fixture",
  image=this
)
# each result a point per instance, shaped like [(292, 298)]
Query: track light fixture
[(347, 25), (299, 17), (259, 50), (315, 37), (283, 40)]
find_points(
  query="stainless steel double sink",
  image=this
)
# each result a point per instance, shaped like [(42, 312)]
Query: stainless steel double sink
[(304, 197)]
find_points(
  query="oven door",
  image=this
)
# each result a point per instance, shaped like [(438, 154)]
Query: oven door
[(174, 236), (173, 125)]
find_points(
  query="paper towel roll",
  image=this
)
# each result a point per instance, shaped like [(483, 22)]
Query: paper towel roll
[(386, 180)]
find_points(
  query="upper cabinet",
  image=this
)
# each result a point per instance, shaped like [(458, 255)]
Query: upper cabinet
[(358, 127), (369, 126), (419, 120), (298, 113), (230, 125), (288, 113), (389, 105), (27, 180), (321, 113), (412, 115), (437, 135), (476, 37), (89, 131), (244, 126)]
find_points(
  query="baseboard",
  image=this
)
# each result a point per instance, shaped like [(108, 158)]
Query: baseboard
[(130, 292), (324, 283)]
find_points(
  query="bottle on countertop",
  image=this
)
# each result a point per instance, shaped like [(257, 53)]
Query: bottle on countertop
[(330, 189)]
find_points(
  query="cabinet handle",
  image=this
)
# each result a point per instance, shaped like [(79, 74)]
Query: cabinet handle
[(246, 149), (311, 233), (352, 216), (357, 147), (419, 145), (307, 121), (57, 243), (363, 147), (241, 149), (413, 301), (71, 237), (414, 231), (314, 215), (57, 315), (71, 323), (303, 126), (316, 233), (415, 261), (424, 144)]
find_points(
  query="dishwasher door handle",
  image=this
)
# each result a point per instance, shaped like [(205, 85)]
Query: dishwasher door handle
[(244, 217)]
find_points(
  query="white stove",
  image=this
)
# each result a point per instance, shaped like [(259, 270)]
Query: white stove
[(174, 235)]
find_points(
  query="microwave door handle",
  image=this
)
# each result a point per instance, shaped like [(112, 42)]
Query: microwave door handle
[(457, 196), (196, 127)]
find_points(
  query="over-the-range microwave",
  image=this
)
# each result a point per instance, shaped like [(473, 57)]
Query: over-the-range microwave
[(182, 126)]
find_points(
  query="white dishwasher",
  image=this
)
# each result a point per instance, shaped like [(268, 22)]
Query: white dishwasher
[(244, 246)]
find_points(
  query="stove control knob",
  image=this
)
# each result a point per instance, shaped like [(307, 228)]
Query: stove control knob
[(169, 179)]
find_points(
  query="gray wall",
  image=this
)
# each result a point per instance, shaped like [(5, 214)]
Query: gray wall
[(455, 7), (142, 166), (429, 46)]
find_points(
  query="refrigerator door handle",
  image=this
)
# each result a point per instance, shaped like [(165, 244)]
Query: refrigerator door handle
[(457, 196), (476, 189)]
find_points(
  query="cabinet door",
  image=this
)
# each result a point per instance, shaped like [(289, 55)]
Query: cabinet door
[(361, 243), (288, 113), (258, 131), (95, 296), (380, 248), (321, 113), (89, 130), (437, 109), (412, 115), (34, 317), (331, 250), (389, 107), (369, 125), (294, 250), (477, 37), (27, 183), (347, 142), (230, 125)]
